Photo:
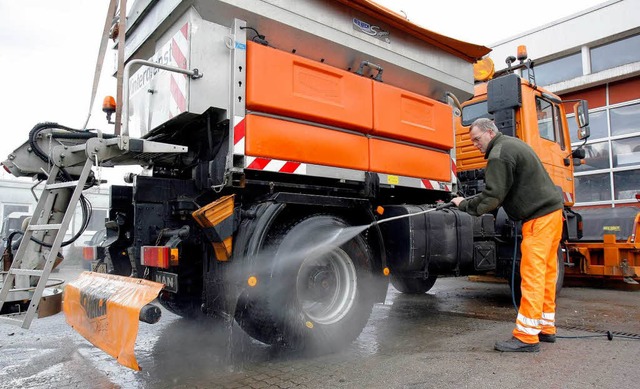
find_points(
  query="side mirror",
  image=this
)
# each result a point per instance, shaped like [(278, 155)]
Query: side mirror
[(581, 111), (578, 153), (583, 133)]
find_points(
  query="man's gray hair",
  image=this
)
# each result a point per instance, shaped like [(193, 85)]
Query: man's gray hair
[(484, 124)]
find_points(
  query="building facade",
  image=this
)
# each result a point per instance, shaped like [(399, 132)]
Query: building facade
[(594, 55)]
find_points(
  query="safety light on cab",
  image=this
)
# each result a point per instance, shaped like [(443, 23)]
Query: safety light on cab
[(483, 70), (109, 107), (522, 53)]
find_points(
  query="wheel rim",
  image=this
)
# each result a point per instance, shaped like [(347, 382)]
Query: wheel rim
[(326, 286)]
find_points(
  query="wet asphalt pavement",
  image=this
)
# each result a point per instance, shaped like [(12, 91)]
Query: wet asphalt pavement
[(443, 339)]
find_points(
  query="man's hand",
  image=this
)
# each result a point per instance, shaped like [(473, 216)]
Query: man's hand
[(457, 200)]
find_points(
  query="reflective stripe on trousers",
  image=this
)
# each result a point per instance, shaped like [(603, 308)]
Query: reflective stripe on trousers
[(539, 272)]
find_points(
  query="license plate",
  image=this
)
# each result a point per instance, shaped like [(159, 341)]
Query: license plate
[(170, 280), (99, 267)]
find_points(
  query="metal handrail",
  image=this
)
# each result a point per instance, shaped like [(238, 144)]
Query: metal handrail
[(194, 74)]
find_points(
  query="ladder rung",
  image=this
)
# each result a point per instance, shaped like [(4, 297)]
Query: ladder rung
[(40, 227), (26, 272), (58, 185), (10, 320)]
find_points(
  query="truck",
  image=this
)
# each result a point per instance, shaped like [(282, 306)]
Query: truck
[(297, 158), (598, 244)]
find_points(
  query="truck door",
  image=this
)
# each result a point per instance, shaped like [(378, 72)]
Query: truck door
[(552, 145)]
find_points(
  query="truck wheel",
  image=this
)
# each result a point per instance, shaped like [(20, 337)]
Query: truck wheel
[(413, 285), (559, 279), (308, 295)]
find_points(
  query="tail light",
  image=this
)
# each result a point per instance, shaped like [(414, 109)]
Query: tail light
[(89, 253), (159, 256)]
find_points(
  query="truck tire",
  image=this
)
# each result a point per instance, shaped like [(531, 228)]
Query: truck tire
[(559, 279), (307, 299), (413, 285)]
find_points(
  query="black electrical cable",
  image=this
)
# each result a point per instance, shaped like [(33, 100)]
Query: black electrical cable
[(86, 208), (10, 239), (75, 134), (259, 38)]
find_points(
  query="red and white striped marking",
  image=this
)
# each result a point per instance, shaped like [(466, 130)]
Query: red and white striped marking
[(239, 133), (275, 165), (179, 82), (261, 163), (437, 185), (568, 198), (454, 170)]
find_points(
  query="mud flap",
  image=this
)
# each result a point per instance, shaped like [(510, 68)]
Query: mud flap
[(105, 310)]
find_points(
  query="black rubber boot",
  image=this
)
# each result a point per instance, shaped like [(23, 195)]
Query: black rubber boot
[(547, 338), (515, 345)]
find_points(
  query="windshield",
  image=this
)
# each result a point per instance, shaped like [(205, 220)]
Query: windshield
[(475, 111)]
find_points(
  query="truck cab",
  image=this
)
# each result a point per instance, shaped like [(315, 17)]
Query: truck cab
[(538, 119)]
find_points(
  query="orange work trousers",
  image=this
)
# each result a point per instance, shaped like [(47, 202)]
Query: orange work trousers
[(539, 273)]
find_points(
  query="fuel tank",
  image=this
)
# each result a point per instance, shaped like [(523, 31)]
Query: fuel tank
[(440, 241)]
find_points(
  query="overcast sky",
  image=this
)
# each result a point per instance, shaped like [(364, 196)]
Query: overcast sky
[(48, 50)]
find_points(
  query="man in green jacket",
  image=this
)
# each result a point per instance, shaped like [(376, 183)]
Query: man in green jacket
[(516, 180)]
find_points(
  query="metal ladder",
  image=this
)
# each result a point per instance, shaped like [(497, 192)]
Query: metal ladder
[(44, 209)]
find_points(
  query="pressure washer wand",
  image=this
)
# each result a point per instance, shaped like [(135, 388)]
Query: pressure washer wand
[(437, 208)]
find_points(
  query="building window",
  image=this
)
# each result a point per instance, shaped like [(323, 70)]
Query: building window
[(626, 184), (598, 126), (9, 208), (615, 54), (562, 69), (593, 187), (626, 152), (625, 120), (597, 157), (610, 172)]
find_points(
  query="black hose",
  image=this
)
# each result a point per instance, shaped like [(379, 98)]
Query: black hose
[(64, 175), (74, 134), (87, 209), (10, 239)]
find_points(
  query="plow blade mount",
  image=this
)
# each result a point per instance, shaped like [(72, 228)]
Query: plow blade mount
[(105, 309)]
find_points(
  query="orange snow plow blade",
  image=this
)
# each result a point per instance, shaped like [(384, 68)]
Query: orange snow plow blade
[(105, 309)]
